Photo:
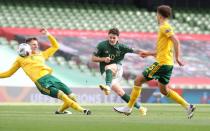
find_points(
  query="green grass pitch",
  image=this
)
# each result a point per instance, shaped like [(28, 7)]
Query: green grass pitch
[(160, 117)]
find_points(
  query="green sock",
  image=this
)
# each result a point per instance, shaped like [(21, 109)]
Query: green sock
[(126, 98), (108, 77)]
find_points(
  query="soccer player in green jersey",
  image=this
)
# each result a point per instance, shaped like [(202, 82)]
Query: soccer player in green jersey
[(34, 66), (109, 54), (167, 43)]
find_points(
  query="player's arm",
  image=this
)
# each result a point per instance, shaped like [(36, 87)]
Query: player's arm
[(141, 52), (54, 44), (176, 43), (147, 53), (144, 53), (11, 71), (138, 51), (101, 59), (96, 57)]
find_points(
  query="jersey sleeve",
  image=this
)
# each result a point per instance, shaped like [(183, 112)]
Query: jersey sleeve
[(98, 50), (11, 71), (167, 30), (54, 47), (126, 49)]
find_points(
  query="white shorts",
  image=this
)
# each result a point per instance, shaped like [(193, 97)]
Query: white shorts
[(118, 76)]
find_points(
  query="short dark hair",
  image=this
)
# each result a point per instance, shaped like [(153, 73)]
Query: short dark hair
[(165, 11), (114, 31), (28, 40)]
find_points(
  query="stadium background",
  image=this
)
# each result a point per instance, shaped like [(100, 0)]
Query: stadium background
[(80, 24)]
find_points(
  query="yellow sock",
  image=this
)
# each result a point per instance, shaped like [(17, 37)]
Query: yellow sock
[(63, 107), (69, 102), (135, 93), (176, 97)]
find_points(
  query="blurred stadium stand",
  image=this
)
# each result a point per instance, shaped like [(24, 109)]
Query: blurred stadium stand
[(84, 16)]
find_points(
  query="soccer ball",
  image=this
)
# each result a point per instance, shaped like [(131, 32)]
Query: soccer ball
[(24, 50)]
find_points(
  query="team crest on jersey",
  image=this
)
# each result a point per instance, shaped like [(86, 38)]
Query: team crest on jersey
[(106, 51)]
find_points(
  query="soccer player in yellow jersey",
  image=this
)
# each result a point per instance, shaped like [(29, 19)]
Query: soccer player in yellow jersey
[(167, 43), (34, 66)]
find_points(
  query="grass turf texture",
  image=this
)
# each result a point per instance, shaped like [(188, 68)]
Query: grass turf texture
[(160, 117)]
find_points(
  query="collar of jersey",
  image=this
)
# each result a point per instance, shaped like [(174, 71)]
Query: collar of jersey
[(115, 46)]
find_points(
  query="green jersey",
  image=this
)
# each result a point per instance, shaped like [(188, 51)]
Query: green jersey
[(115, 52)]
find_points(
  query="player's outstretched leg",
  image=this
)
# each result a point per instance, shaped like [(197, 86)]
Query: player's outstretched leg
[(134, 95), (142, 110), (70, 103), (73, 97), (176, 97), (107, 88), (110, 69)]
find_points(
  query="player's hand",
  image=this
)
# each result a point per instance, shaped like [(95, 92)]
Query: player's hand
[(107, 59), (181, 63), (144, 54), (44, 31)]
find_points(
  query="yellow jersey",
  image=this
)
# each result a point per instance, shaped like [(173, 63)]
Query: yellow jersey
[(34, 65), (164, 47)]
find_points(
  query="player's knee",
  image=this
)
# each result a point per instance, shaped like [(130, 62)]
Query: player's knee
[(108, 67), (138, 81), (60, 94), (73, 96), (111, 67), (163, 88), (163, 91)]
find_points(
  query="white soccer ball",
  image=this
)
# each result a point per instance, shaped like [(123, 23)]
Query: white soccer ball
[(24, 50)]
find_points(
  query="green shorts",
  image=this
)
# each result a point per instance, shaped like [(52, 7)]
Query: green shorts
[(160, 72), (50, 85)]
